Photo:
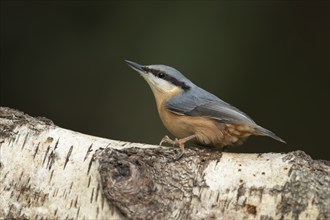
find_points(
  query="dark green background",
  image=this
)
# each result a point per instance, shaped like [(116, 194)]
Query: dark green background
[(64, 61)]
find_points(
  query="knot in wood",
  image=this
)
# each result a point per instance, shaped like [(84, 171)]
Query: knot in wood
[(127, 175), (151, 183)]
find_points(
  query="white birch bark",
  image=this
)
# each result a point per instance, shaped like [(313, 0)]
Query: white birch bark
[(54, 173)]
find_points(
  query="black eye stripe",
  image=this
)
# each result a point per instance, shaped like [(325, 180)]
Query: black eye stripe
[(155, 72), (145, 69), (167, 77), (161, 75)]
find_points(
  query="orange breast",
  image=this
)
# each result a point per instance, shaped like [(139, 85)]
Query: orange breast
[(208, 131)]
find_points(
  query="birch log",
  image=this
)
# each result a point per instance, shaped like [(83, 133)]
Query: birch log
[(47, 172)]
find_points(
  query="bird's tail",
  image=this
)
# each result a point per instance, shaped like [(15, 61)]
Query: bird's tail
[(265, 132)]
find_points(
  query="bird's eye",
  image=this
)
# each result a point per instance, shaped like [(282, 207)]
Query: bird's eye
[(161, 75)]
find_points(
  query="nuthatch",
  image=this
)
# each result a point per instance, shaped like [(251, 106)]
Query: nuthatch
[(192, 114)]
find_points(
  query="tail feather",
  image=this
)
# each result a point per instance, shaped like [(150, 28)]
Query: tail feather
[(264, 131)]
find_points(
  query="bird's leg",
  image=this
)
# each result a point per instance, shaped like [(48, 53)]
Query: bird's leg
[(182, 141), (166, 139), (177, 142)]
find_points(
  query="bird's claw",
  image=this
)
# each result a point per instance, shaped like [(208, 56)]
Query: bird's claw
[(175, 142), (166, 139)]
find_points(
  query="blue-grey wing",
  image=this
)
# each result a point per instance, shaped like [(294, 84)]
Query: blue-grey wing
[(198, 102)]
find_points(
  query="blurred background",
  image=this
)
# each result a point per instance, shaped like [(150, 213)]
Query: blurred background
[(65, 61)]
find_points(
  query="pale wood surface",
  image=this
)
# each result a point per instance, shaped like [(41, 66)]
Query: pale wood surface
[(50, 172)]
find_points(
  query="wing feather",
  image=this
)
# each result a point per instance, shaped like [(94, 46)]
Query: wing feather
[(199, 102)]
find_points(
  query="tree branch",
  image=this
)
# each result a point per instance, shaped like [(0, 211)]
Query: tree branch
[(50, 172)]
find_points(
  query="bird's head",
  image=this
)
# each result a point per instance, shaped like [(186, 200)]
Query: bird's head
[(162, 78)]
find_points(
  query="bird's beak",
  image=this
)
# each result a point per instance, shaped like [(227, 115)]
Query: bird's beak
[(135, 66)]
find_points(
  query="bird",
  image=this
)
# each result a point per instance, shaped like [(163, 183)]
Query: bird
[(193, 114)]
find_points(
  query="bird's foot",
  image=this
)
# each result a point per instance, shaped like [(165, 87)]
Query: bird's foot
[(177, 142), (166, 139)]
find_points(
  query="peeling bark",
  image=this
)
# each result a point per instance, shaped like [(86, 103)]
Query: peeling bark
[(50, 172)]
